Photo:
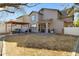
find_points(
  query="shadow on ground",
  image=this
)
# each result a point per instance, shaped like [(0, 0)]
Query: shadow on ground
[(49, 42)]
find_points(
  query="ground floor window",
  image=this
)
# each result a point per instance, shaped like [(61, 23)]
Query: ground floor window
[(33, 28)]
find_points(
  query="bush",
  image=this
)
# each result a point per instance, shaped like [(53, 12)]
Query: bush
[(76, 23), (50, 43)]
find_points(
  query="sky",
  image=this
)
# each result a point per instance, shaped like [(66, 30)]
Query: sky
[(76, 14), (26, 10), (59, 6)]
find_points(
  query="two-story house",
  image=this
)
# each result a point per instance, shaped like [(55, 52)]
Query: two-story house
[(46, 20)]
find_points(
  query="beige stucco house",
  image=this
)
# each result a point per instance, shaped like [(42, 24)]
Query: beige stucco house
[(45, 20)]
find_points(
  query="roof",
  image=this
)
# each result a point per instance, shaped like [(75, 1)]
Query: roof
[(46, 9), (32, 12), (49, 9), (63, 14), (20, 16), (14, 22)]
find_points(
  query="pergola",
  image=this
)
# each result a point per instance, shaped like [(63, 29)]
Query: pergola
[(15, 23)]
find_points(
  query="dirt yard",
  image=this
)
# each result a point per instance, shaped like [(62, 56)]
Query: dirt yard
[(39, 45)]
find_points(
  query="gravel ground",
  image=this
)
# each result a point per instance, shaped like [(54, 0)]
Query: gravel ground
[(16, 45)]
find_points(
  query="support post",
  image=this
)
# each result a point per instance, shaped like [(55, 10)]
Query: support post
[(11, 29), (21, 26), (28, 27), (46, 27), (6, 27), (37, 27)]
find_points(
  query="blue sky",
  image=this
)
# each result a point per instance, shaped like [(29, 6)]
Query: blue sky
[(59, 6)]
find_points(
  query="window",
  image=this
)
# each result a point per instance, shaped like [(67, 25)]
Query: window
[(34, 25), (33, 18)]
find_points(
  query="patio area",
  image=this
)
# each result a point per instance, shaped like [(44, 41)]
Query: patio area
[(39, 44), (12, 25)]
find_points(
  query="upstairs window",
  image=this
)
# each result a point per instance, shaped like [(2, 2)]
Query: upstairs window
[(33, 18)]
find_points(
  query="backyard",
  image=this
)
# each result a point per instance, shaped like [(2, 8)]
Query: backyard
[(38, 44)]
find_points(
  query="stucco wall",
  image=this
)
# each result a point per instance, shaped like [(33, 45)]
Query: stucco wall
[(21, 19), (50, 14), (58, 26), (71, 30), (40, 17), (24, 18), (2, 28)]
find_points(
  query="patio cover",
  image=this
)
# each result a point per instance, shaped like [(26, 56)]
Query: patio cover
[(14, 22)]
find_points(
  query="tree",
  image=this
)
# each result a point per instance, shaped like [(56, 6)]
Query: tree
[(16, 5), (76, 23), (5, 8)]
